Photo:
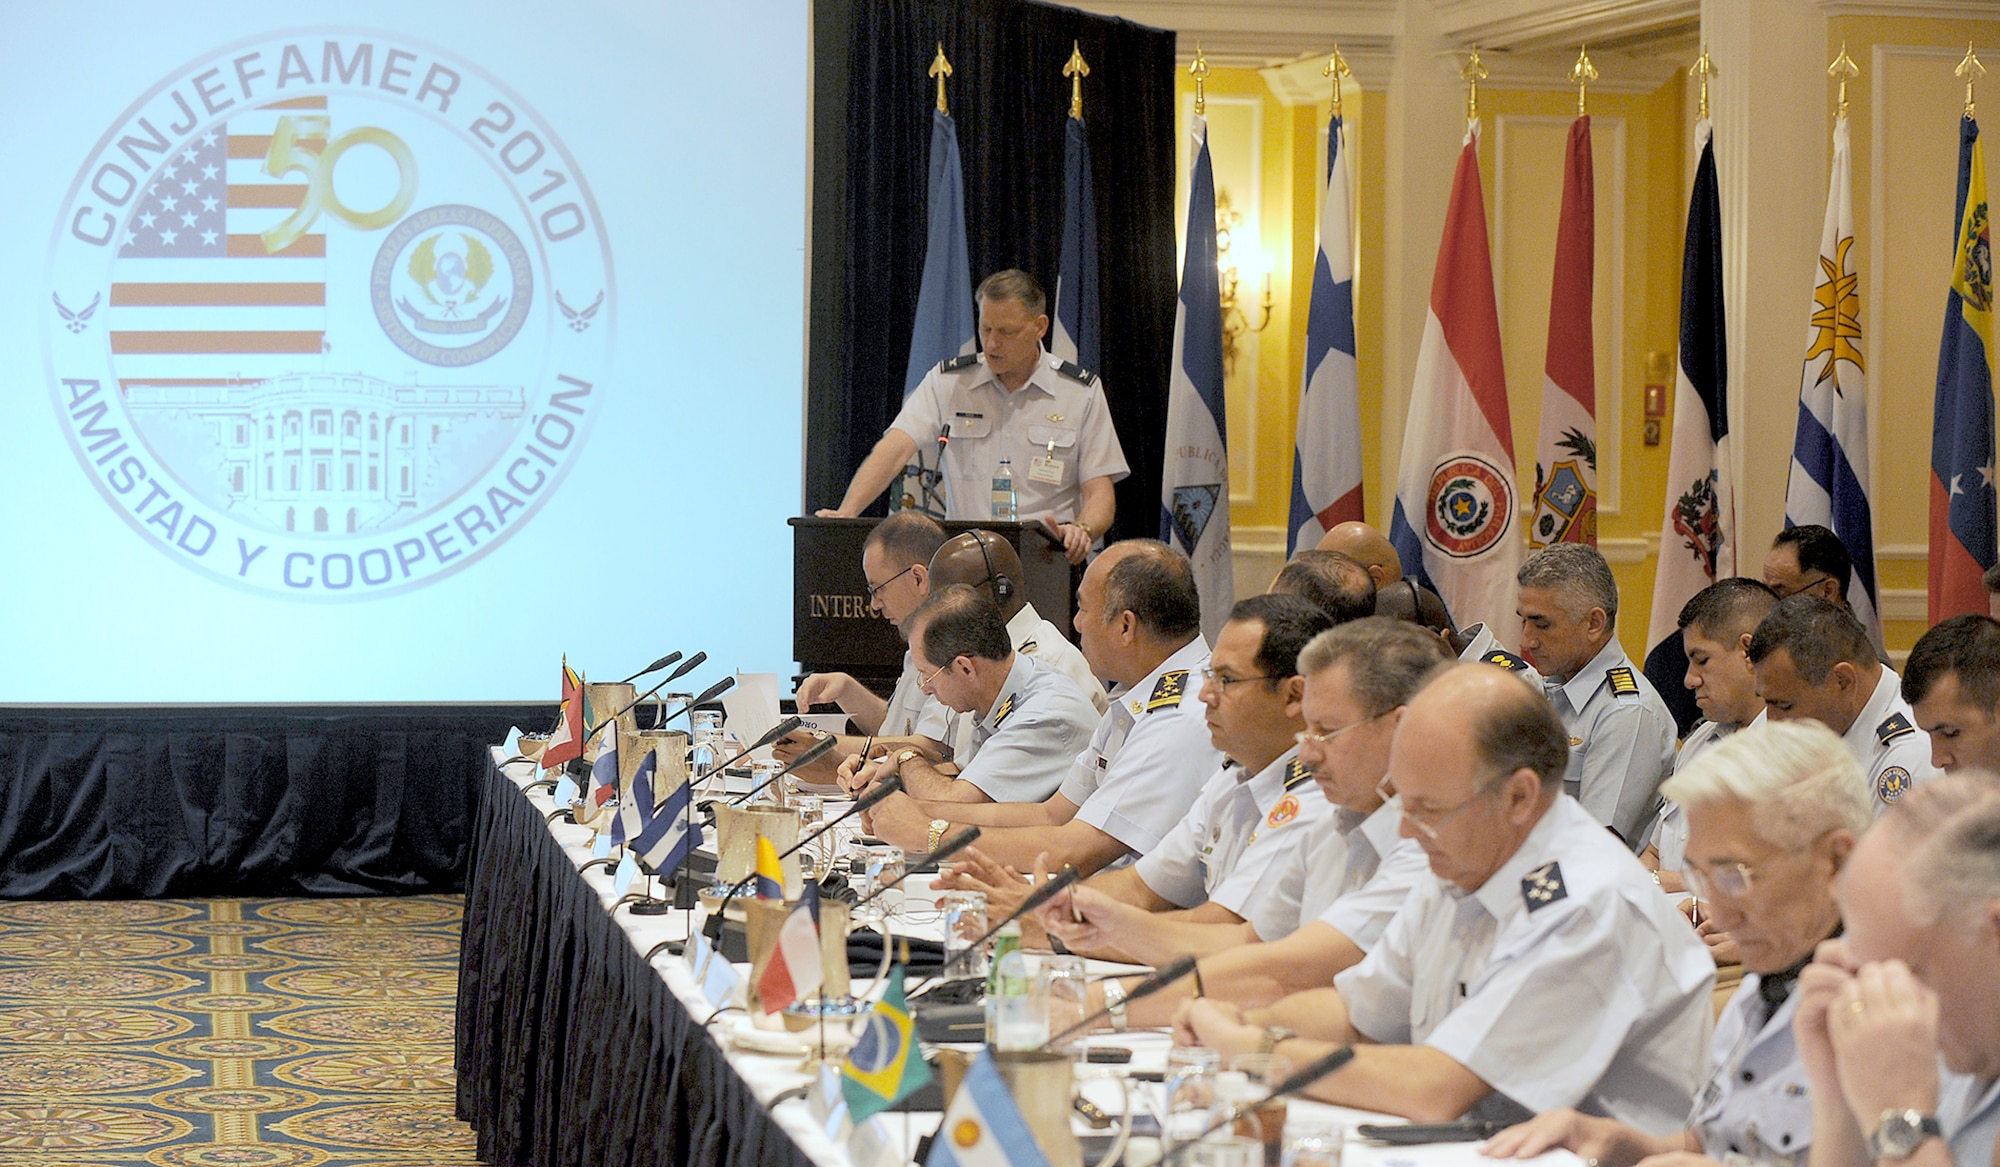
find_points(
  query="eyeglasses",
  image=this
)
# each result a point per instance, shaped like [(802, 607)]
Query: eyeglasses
[(1207, 673), (1802, 585), (924, 686), (1322, 740), (1730, 880), (876, 589), (1430, 824)]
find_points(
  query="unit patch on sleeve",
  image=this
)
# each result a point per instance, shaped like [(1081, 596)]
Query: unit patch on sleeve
[(1892, 783), (1286, 810)]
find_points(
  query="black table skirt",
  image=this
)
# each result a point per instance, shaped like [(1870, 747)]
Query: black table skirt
[(571, 1051)]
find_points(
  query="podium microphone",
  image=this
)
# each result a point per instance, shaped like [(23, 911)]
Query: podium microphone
[(1146, 988), (945, 850), (655, 667)]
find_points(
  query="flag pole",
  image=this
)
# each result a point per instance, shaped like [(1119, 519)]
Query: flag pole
[(1473, 73), (1076, 70), (1336, 68), (1583, 73), (940, 69)]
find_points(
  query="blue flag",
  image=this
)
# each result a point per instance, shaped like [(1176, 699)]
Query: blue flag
[(1962, 501), (1077, 337), (984, 1126), (670, 832), (1326, 463), (945, 323)]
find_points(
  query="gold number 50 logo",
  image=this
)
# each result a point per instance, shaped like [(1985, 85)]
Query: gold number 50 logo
[(291, 154)]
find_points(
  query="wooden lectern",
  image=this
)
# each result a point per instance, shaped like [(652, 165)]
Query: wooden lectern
[(833, 629)]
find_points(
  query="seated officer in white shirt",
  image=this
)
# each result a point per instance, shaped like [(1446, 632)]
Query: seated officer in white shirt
[(1773, 813), (1898, 1022), (989, 564), (1030, 721), (1952, 681), (1339, 586), (1813, 659), (1358, 676), (1536, 966)]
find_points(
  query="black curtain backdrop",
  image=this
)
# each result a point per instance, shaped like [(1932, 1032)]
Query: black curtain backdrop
[(872, 106), (146, 803)]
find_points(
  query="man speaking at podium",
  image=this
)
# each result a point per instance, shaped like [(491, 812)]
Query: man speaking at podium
[(1014, 401)]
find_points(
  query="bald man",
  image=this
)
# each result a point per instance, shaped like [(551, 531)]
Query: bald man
[(1394, 596)]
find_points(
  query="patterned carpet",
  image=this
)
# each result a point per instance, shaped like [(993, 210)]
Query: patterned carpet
[(229, 1033)]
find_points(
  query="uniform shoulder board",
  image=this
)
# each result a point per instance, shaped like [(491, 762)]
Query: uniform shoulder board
[(1893, 726), (962, 361), (1623, 683), (1544, 886), (1076, 372), (1297, 773), (1006, 707), (1168, 691), (1504, 659)]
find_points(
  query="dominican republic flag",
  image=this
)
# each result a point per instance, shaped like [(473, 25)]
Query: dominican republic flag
[(567, 742), (1194, 487), (1829, 478), (983, 1127), (1326, 466), (1962, 508), (793, 969), (1566, 452), (885, 1065), (1698, 533), (945, 323), (668, 833), (1077, 338), (1453, 527)]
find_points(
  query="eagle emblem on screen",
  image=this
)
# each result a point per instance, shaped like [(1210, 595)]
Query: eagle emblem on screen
[(322, 353)]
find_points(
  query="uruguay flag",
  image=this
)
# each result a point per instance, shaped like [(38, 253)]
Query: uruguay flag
[(983, 1126), (669, 833), (1698, 532), (1566, 451), (1326, 465), (945, 323), (1077, 337), (1962, 504), (1829, 478), (1453, 527), (1194, 486)]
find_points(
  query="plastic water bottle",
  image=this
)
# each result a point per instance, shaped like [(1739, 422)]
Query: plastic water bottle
[(1004, 502)]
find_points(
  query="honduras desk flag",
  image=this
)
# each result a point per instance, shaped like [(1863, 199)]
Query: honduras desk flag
[(1194, 486), (1829, 477), (1453, 526), (1326, 466), (1962, 506), (983, 1126), (1698, 532), (1566, 452), (668, 833), (1077, 337), (885, 1065), (945, 325)]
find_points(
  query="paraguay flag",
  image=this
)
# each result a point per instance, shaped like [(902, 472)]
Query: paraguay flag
[(1962, 505), (1194, 485), (1326, 466), (945, 325), (1698, 532), (1453, 526), (668, 833), (793, 969), (1077, 336), (983, 1127), (885, 1066), (1566, 452), (769, 875), (567, 743), (1829, 478)]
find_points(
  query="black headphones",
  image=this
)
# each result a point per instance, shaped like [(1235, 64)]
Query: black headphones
[(1003, 586)]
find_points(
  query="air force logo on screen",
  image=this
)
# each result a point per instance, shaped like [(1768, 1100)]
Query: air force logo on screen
[(329, 314)]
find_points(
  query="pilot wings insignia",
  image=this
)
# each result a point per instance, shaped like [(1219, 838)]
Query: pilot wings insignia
[(580, 319), (76, 321)]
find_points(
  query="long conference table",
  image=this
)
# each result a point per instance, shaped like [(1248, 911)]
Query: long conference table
[(574, 1049)]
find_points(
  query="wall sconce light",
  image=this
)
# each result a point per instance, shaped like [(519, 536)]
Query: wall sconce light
[(1235, 322)]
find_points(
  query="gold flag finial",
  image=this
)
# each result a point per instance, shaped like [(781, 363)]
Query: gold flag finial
[(1581, 75), (1704, 68), (1336, 68), (1969, 71), (1472, 75), (941, 69), (1844, 69), (1199, 71), (1076, 70)]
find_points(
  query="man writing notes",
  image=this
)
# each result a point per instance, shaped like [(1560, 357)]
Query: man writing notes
[(1015, 401)]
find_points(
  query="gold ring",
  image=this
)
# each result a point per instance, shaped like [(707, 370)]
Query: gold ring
[(1854, 1007)]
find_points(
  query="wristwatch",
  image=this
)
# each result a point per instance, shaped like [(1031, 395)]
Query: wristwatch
[(1901, 1132), (1114, 1002), (1273, 1035), (938, 828), (904, 756)]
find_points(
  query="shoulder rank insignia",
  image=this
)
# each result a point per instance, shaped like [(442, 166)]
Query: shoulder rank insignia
[(1893, 726), (962, 361), (1168, 691), (1076, 372), (1892, 783), (1286, 810), (1296, 773), (1623, 683), (1504, 659), (1006, 707), (1544, 886)]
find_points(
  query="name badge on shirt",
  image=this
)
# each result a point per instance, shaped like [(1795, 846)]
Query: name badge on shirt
[(1046, 468)]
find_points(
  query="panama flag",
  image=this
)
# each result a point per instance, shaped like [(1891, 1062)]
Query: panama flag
[(885, 1066), (1698, 532), (1566, 453), (1962, 505), (668, 833), (1077, 336), (1829, 477), (1326, 466), (793, 969), (1453, 527), (567, 742), (983, 1126), (1194, 487), (944, 325)]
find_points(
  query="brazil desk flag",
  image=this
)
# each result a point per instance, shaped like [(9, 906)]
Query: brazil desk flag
[(885, 1065), (1962, 503)]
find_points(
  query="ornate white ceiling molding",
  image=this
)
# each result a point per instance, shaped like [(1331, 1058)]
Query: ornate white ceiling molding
[(1633, 26), (1256, 34), (1936, 9), (1549, 69)]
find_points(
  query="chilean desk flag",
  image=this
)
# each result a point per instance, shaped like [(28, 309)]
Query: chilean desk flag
[(1326, 466), (1077, 337), (1962, 505), (1566, 452), (1194, 487), (1698, 532), (793, 969), (1453, 526), (1829, 477), (945, 323)]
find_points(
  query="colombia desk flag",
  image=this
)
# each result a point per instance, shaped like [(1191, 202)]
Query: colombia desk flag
[(770, 876)]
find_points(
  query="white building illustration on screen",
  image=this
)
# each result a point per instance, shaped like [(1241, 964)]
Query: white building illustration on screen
[(326, 452)]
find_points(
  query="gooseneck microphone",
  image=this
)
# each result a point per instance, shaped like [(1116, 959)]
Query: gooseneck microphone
[(814, 753), (1146, 988), (691, 663), (863, 805), (655, 667)]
